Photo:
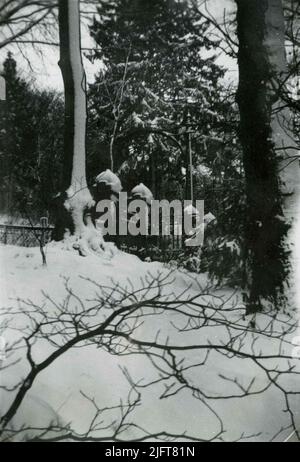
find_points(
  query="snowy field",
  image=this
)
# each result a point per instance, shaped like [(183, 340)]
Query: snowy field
[(59, 393)]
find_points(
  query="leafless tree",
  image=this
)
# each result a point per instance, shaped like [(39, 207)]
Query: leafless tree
[(18, 19), (222, 24), (74, 222), (162, 326), (34, 22), (116, 110)]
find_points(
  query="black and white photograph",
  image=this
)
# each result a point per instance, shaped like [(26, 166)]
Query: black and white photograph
[(149, 224)]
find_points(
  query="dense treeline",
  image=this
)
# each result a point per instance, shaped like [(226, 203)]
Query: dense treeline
[(138, 118), (30, 146)]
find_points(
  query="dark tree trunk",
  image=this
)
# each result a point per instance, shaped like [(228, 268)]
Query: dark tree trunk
[(266, 258)]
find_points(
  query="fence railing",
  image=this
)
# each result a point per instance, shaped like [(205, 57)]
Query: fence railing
[(31, 236), (24, 235)]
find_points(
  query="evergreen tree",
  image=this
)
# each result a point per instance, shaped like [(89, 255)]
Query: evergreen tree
[(158, 66), (158, 62), (30, 145)]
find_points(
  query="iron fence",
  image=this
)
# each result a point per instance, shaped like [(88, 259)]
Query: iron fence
[(31, 236), (24, 235)]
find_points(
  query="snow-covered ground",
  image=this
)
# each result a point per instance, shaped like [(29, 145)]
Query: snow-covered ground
[(56, 393)]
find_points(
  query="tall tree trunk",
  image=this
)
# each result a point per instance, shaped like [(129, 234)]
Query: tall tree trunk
[(262, 68), (74, 223), (2, 113), (284, 139)]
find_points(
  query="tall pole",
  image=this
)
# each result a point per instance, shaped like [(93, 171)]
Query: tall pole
[(153, 165), (2, 92), (6, 165), (189, 160)]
